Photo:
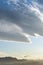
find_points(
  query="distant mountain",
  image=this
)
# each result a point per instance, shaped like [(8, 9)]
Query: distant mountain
[(15, 61), (8, 59)]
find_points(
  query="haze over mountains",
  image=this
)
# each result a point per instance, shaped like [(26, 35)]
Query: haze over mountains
[(15, 61)]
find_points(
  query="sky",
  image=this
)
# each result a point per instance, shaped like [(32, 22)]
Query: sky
[(21, 28), (32, 50)]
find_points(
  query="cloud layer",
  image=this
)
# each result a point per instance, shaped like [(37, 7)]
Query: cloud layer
[(3, 54), (20, 18)]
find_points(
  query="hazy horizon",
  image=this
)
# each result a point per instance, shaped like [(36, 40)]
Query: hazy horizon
[(23, 50), (21, 29)]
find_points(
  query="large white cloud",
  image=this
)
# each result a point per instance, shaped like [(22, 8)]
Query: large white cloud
[(19, 19)]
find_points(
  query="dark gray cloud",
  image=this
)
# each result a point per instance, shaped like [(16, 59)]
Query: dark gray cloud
[(19, 19), (40, 1)]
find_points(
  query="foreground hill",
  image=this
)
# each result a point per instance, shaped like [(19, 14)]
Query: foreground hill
[(15, 61)]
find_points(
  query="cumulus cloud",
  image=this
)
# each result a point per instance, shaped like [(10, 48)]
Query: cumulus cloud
[(20, 19)]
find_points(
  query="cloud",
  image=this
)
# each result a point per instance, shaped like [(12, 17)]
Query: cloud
[(36, 11), (33, 57), (3, 54), (20, 19), (40, 1)]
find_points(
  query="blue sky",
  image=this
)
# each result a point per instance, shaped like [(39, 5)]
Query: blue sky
[(32, 50), (21, 28)]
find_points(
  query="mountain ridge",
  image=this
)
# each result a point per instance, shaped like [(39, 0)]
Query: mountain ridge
[(8, 59)]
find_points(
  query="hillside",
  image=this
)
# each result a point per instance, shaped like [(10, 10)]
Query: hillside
[(15, 61)]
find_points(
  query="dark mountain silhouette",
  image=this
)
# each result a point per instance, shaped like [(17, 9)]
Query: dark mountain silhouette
[(15, 61), (8, 59)]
